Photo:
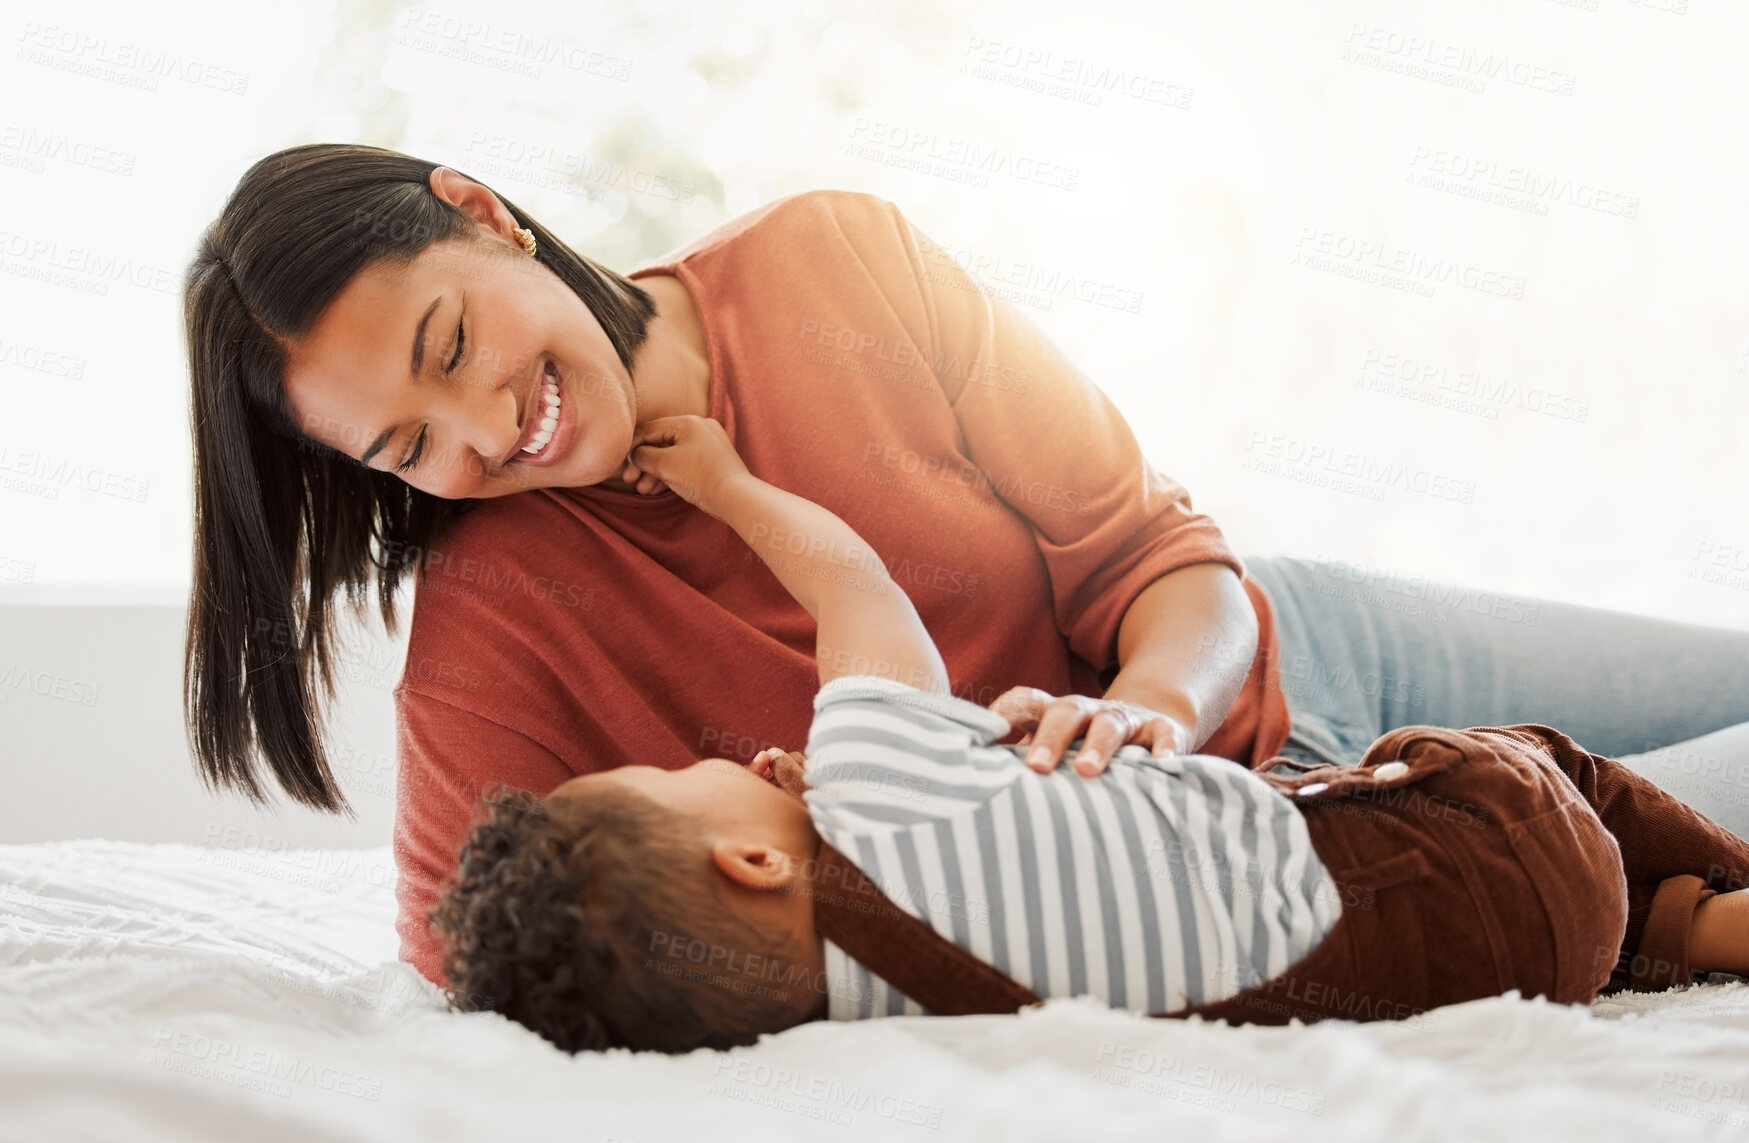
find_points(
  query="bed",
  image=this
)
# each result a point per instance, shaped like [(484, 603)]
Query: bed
[(241, 992)]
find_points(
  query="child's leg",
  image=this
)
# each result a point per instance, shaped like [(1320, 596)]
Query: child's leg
[(1476, 872), (1675, 860)]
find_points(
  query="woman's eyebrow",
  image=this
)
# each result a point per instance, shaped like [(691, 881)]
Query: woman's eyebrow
[(419, 335), (376, 446)]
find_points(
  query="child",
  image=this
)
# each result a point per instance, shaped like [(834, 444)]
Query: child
[(913, 866)]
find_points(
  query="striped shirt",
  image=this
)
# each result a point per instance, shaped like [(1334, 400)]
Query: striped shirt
[(1161, 884)]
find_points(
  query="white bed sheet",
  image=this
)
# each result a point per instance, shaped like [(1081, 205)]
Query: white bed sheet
[(168, 992)]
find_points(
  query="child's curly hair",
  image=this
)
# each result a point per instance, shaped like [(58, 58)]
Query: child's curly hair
[(597, 923)]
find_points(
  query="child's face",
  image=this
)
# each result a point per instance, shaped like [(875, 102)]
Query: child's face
[(724, 796)]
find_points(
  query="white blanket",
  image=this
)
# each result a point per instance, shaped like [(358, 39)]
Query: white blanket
[(165, 992)]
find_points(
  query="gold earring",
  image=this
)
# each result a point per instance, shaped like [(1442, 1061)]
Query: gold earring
[(526, 237)]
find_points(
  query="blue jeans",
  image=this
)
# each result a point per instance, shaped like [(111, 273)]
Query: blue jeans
[(1363, 652)]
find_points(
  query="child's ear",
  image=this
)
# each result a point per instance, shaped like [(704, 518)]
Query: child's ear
[(755, 866)]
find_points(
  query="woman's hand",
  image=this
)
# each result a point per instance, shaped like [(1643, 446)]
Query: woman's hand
[(692, 455), (785, 769), (1053, 722)]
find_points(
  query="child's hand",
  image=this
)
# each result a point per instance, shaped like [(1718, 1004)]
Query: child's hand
[(692, 455), (785, 769)]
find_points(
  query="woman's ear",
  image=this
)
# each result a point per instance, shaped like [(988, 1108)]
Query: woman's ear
[(754, 866), (475, 201)]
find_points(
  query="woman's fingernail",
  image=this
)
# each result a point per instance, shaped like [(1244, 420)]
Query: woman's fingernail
[(1086, 760), (1038, 757)]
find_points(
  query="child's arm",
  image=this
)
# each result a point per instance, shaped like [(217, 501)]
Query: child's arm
[(865, 622)]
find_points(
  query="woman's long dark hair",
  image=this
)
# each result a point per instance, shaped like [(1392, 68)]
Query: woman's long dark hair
[(285, 526)]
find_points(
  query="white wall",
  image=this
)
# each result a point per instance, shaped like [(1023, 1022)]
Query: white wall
[(92, 744)]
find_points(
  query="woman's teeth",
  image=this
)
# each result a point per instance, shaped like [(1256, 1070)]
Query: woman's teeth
[(549, 419)]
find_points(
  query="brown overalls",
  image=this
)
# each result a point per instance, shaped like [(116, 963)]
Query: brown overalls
[(1491, 859)]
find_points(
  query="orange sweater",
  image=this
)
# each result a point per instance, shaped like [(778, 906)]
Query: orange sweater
[(558, 633)]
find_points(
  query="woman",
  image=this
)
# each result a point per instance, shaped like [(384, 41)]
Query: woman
[(396, 369)]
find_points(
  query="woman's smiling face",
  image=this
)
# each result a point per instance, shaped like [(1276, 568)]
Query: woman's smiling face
[(445, 370)]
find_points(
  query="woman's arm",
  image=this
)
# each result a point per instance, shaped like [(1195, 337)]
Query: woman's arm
[(1136, 573), (1184, 648)]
